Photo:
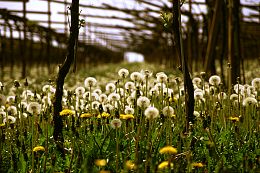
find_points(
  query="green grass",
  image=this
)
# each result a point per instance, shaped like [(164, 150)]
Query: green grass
[(223, 138)]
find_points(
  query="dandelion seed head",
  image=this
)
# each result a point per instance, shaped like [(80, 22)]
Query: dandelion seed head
[(98, 91), (10, 119), (90, 82), (159, 86), (143, 102), (129, 110), (113, 97), (123, 73), (110, 87), (168, 111), (151, 113), (46, 88), (116, 123), (198, 96), (167, 92), (146, 73), (108, 107), (161, 77), (249, 101), (80, 91), (2, 114), (136, 76), (154, 92), (238, 88), (10, 99), (251, 90), (214, 80), (103, 98), (12, 110), (129, 85), (196, 81), (95, 105), (196, 114), (135, 93), (130, 100), (34, 108), (256, 83)]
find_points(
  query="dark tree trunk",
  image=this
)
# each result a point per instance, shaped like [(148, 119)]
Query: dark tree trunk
[(188, 86), (63, 71)]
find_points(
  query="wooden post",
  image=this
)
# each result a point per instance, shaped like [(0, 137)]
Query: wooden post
[(63, 71), (48, 38), (233, 43), (188, 86), (212, 37), (23, 51)]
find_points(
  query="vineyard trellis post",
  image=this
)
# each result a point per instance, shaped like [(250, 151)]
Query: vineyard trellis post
[(188, 86), (63, 71)]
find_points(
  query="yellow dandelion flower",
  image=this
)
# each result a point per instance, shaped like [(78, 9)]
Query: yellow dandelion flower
[(198, 165), (234, 119), (100, 162), (164, 165), (86, 115), (126, 116), (103, 115), (130, 165), (104, 171), (67, 112), (38, 148), (173, 99), (168, 150)]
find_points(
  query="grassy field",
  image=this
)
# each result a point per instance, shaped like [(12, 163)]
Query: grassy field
[(129, 118)]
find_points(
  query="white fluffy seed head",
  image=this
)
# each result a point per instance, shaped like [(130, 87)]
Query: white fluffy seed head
[(161, 77), (34, 108), (110, 87), (116, 123), (80, 91), (136, 76), (151, 113), (90, 82), (249, 101), (256, 83), (129, 85), (123, 73), (129, 110), (214, 80), (196, 81), (198, 96), (168, 111), (143, 102), (113, 97)]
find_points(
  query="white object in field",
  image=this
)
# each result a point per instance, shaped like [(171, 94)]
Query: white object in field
[(133, 57)]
